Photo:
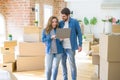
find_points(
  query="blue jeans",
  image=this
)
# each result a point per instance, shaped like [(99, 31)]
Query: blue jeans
[(51, 65), (71, 58)]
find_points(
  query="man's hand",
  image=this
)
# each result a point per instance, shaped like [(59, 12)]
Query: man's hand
[(79, 49)]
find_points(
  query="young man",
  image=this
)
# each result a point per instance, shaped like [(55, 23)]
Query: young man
[(70, 44)]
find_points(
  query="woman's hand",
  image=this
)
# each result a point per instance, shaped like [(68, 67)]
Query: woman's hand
[(61, 39), (53, 37)]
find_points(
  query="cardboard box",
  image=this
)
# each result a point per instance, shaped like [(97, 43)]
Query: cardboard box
[(95, 58), (110, 47), (89, 37), (32, 34), (7, 50), (32, 30), (8, 66), (95, 48), (109, 70), (32, 38), (10, 43), (86, 46), (115, 28), (30, 63), (6, 58), (31, 49)]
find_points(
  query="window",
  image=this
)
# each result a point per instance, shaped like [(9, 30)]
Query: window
[(2, 28), (47, 13), (37, 13)]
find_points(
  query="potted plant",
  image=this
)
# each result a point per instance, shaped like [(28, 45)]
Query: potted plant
[(104, 25), (36, 23), (107, 28), (86, 22), (93, 22), (10, 37)]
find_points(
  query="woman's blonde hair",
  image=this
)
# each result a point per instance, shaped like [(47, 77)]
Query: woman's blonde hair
[(49, 24)]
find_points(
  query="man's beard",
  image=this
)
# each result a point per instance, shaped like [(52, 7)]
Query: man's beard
[(65, 19)]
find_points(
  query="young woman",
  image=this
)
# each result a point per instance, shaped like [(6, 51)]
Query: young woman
[(54, 48)]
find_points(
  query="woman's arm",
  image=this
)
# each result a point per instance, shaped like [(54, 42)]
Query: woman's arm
[(45, 37)]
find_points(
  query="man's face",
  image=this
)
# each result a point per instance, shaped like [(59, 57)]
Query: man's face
[(64, 17)]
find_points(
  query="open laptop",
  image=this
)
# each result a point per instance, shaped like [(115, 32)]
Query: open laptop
[(62, 33)]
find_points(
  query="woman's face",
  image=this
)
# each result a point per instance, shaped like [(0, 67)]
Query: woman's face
[(54, 23)]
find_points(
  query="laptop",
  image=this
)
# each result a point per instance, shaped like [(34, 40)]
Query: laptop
[(62, 33)]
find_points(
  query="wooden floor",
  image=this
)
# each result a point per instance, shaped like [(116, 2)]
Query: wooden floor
[(85, 70)]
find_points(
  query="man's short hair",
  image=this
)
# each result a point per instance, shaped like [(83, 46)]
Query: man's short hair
[(65, 11)]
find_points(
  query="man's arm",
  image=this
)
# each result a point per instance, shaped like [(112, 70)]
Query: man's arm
[(79, 34)]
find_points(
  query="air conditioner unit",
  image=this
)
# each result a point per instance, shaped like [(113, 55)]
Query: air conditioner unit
[(110, 5)]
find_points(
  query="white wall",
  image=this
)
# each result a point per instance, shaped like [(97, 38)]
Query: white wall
[(2, 28), (90, 8)]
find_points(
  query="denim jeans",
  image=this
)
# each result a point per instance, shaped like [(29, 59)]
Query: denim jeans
[(51, 65), (71, 58)]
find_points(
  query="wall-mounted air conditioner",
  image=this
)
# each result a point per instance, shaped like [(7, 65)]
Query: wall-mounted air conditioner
[(110, 5)]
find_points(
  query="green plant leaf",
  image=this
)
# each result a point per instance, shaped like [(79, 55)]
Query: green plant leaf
[(103, 20), (83, 36), (36, 22), (93, 21), (110, 20), (10, 35), (86, 21), (118, 21)]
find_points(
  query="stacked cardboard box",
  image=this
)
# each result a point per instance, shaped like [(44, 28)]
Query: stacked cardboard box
[(31, 56), (109, 57), (32, 34), (8, 66), (95, 58), (96, 62), (27, 63), (7, 56), (95, 48), (31, 51), (89, 37), (116, 29), (10, 43)]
